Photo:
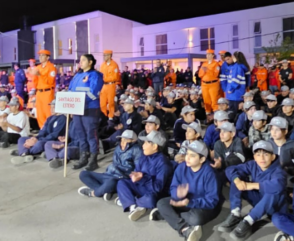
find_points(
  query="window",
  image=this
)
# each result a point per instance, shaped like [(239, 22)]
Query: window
[(288, 28), (235, 37), (207, 39), (69, 46), (257, 34), (59, 47), (141, 44), (161, 44)]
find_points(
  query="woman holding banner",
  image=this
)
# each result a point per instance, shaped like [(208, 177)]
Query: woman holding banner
[(90, 81)]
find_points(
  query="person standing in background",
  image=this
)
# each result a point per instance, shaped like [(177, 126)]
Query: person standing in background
[(19, 80)]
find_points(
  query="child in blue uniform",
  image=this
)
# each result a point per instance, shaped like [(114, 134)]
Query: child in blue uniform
[(262, 183), (195, 195), (149, 181)]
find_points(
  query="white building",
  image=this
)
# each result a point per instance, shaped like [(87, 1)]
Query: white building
[(181, 42)]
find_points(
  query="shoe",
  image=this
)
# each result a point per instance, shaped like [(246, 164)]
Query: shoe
[(137, 213), (229, 224), (117, 202), (83, 161), (4, 144), (43, 155), (107, 196), (85, 191), (242, 231), (55, 163), (155, 215), (193, 233), (28, 158), (92, 163), (17, 160), (14, 153), (280, 236)]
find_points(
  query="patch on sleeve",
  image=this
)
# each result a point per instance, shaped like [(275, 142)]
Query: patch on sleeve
[(217, 68), (116, 70), (52, 73), (129, 121), (55, 124)]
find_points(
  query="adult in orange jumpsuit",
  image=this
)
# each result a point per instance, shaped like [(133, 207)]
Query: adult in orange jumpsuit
[(222, 56), (11, 79), (45, 84), (110, 71), (210, 84), (171, 77), (261, 76), (32, 79)]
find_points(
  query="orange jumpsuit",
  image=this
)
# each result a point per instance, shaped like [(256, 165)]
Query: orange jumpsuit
[(110, 77), (277, 73), (32, 79), (11, 79), (45, 91), (173, 77), (261, 76), (210, 85)]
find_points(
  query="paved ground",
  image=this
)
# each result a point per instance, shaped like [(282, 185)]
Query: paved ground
[(38, 204)]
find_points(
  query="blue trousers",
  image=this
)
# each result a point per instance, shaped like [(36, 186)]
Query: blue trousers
[(19, 89), (34, 150), (86, 128), (73, 152), (101, 183), (262, 203), (130, 193), (284, 222), (234, 105), (158, 87)]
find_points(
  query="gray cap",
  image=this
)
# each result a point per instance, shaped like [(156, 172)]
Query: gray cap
[(221, 115), (194, 125), (13, 102), (168, 88), (152, 119), (13, 91), (265, 93), (32, 92), (199, 148), (248, 105), (271, 97), (227, 126), (132, 91), (150, 88), (123, 97), (288, 101), (129, 134), (187, 109), (259, 115), (193, 92), (263, 145), (285, 61), (4, 98), (53, 102), (155, 137), (171, 95), (129, 101), (150, 102), (284, 88), (248, 94), (280, 122), (292, 91), (223, 101)]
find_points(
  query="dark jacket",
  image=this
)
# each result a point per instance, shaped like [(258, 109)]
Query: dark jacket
[(53, 128), (158, 76), (4, 79), (243, 125), (132, 121)]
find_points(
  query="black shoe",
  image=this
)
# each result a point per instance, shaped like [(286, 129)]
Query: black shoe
[(107, 196), (155, 215), (4, 144), (55, 163), (229, 224), (92, 165), (242, 231), (82, 162), (14, 153)]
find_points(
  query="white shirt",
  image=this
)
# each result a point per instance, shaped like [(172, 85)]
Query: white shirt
[(34, 112), (20, 120), (5, 111)]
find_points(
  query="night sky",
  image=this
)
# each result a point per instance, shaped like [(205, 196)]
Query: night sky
[(147, 12)]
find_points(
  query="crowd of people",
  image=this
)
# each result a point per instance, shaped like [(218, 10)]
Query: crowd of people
[(154, 121)]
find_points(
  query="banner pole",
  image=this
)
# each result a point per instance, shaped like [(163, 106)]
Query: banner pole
[(65, 147)]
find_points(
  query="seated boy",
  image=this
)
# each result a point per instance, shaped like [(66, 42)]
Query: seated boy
[(195, 195), (272, 109), (125, 156), (223, 104), (30, 146), (259, 130), (149, 181), (150, 109), (288, 112), (262, 183)]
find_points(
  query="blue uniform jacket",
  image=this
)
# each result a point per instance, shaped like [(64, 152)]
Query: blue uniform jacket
[(132, 121), (224, 75), (20, 77), (90, 82), (211, 136), (158, 76), (179, 132), (271, 181), (243, 125), (124, 161), (53, 128), (204, 190), (157, 173)]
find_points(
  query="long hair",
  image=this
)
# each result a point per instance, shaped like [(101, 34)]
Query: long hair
[(241, 59), (90, 57)]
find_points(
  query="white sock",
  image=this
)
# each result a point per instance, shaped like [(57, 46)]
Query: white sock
[(110, 118), (236, 212), (249, 220), (132, 207)]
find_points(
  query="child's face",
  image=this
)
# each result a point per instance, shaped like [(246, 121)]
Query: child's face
[(189, 117), (128, 107), (287, 109), (271, 104), (191, 134), (277, 133), (150, 127), (226, 136), (149, 148), (248, 98), (251, 111), (258, 124), (193, 97), (223, 107), (264, 159), (170, 100), (124, 142), (193, 159)]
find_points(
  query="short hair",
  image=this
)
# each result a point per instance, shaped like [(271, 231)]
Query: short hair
[(227, 54)]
